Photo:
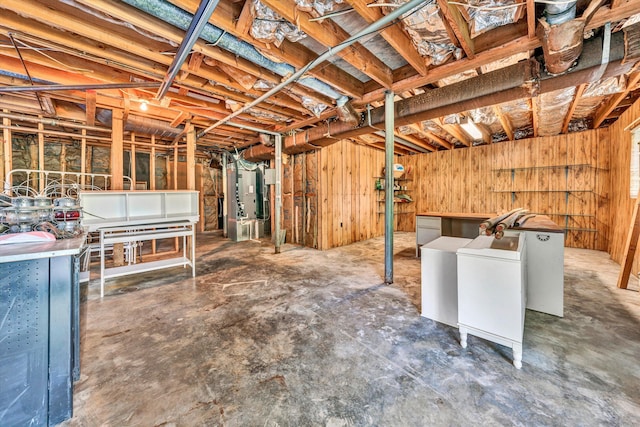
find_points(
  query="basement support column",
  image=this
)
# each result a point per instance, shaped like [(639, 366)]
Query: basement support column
[(191, 157), (389, 116), (278, 192)]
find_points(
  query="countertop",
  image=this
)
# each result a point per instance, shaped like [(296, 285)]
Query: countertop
[(536, 223), (28, 251)]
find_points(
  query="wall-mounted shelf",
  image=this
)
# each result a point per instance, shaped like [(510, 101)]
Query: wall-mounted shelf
[(397, 212), (577, 165)]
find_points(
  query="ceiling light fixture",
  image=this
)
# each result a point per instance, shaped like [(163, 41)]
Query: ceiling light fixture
[(144, 106), (471, 128)]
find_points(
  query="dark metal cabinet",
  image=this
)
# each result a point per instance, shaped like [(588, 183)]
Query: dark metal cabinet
[(39, 340)]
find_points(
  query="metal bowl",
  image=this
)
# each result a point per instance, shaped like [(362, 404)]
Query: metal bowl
[(22, 202), (42, 201), (16, 216), (65, 202)]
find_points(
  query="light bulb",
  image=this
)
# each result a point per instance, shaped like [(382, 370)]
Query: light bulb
[(143, 106)]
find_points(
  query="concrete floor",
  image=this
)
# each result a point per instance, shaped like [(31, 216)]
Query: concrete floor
[(311, 338)]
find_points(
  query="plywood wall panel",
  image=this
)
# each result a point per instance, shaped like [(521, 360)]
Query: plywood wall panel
[(528, 173), (619, 143)]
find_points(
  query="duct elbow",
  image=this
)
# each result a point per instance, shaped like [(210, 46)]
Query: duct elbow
[(561, 35)]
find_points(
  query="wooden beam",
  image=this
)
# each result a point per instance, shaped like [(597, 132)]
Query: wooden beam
[(295, 54), (531, 18), (41, 155), (179, 119), (90, 105), (191, 156), (606, 109), (416, 141), (152, 164), (394, 35), (504, 121), (630, 247), (7, 148), (459, 27), (175, 167), (132, 161), (522, 44), (117, 147), (330, 35), (245, 20), (456, 132), (83, 156), (432, 136), (572, 107)]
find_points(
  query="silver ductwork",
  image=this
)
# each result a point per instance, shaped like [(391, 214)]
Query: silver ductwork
[(142, 125), (561, 34), (559, 12)]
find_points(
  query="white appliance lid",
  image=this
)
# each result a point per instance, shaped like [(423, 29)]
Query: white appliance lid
[(447, 244), (509, 247)]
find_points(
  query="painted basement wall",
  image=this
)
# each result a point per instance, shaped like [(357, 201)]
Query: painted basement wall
[(565, 177), (622, 203)]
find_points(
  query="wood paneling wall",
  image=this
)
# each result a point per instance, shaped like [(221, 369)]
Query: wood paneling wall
[(348, 199), (565, 177), (621, 201)]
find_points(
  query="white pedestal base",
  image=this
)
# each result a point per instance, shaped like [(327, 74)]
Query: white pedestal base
[(516, 346)]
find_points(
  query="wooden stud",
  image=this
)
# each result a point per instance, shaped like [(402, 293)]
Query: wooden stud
[(394, 35), (630, 247), (459, 26), (504, 121), (191, 156), (572, 107), (531, 19), (152, 164), (7, 148), (117, 146), (90, 104), (40, 162), (132, 162), (83, 157), (606, 109)]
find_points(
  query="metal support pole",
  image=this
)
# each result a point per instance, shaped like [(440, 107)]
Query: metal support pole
[(224, 194), (278, 207), (389, 116)]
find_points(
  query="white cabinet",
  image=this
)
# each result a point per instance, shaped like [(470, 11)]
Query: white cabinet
[(428, 228), (492, 291), (545, 271), (440, 279)]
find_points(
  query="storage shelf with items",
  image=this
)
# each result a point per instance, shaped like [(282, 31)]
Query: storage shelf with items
[(401, 198)]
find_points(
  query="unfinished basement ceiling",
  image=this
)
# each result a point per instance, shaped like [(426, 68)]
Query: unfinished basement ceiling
[(512, 68)]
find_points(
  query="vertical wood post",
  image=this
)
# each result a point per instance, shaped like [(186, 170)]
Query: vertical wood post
[(117, 170), (191, 156), (83, 158), (117, 146), (630, 247), (152, 164), (132, 161), (7, 150), (41, 178)]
